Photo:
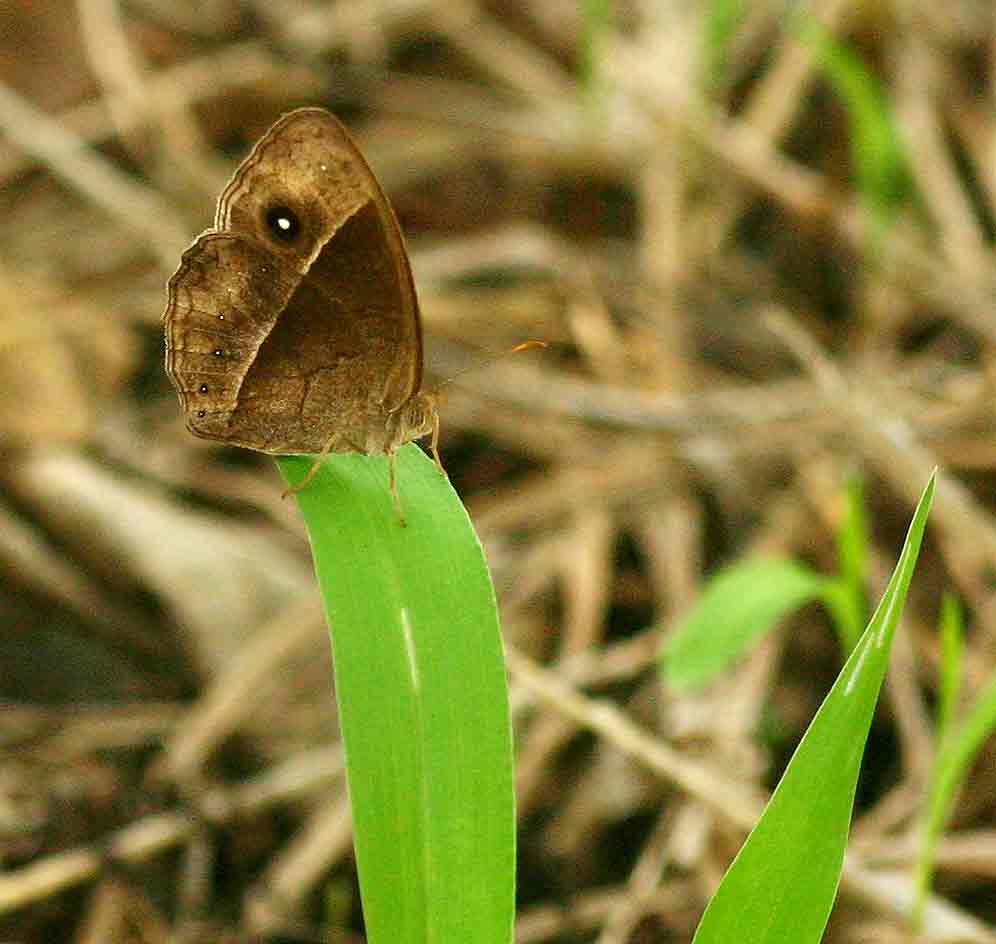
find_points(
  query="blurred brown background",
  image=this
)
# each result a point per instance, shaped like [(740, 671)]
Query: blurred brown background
[(729, 341)]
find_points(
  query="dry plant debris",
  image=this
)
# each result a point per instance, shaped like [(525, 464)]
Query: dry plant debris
[(731, 335)]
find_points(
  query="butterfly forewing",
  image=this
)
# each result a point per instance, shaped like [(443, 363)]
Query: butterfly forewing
[(330, 180)]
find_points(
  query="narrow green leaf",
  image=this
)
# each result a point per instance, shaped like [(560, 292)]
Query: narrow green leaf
[(422, 694), (852, 555), (781, 886), (852, 538), (878, 152), (957, 756), (952, 626), (738, 605), (847, 610), (942, 786), (964, 747)]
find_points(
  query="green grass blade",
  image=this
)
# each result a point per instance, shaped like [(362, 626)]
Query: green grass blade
[(955, 761), (943, 784), (952, 626), (852, 537), (738, 605), (847, 610), (878, 152), (781, 886), (966, 744), (852, 557), (422, 694)]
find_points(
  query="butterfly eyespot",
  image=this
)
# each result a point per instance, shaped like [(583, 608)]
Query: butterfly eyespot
[(201, 414), (203, 388), (218, 352), (221, 317), (282, 223)]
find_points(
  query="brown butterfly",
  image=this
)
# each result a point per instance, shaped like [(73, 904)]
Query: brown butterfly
[(292, 325)]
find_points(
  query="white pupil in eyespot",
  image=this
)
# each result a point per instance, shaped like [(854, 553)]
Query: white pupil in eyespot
[(283, 223)]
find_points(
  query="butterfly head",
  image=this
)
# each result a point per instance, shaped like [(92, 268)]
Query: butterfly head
[(417, 417)]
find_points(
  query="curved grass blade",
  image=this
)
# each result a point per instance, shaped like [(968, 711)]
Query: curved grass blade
[(738, 605), (782, 884), (422, 694)]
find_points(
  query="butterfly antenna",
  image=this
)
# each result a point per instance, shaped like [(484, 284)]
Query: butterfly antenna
[(531, 345)]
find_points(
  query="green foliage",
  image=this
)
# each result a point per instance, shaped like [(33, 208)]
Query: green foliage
[(957, 746), (952, 632), (748, 599), (878, 152), (422, 695), (596, 18), (737, 607), (845, 594), (782, 884), (722, 20)]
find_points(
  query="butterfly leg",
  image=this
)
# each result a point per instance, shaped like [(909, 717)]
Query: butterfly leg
[(434, 443), (393, 486), (313, 471)]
